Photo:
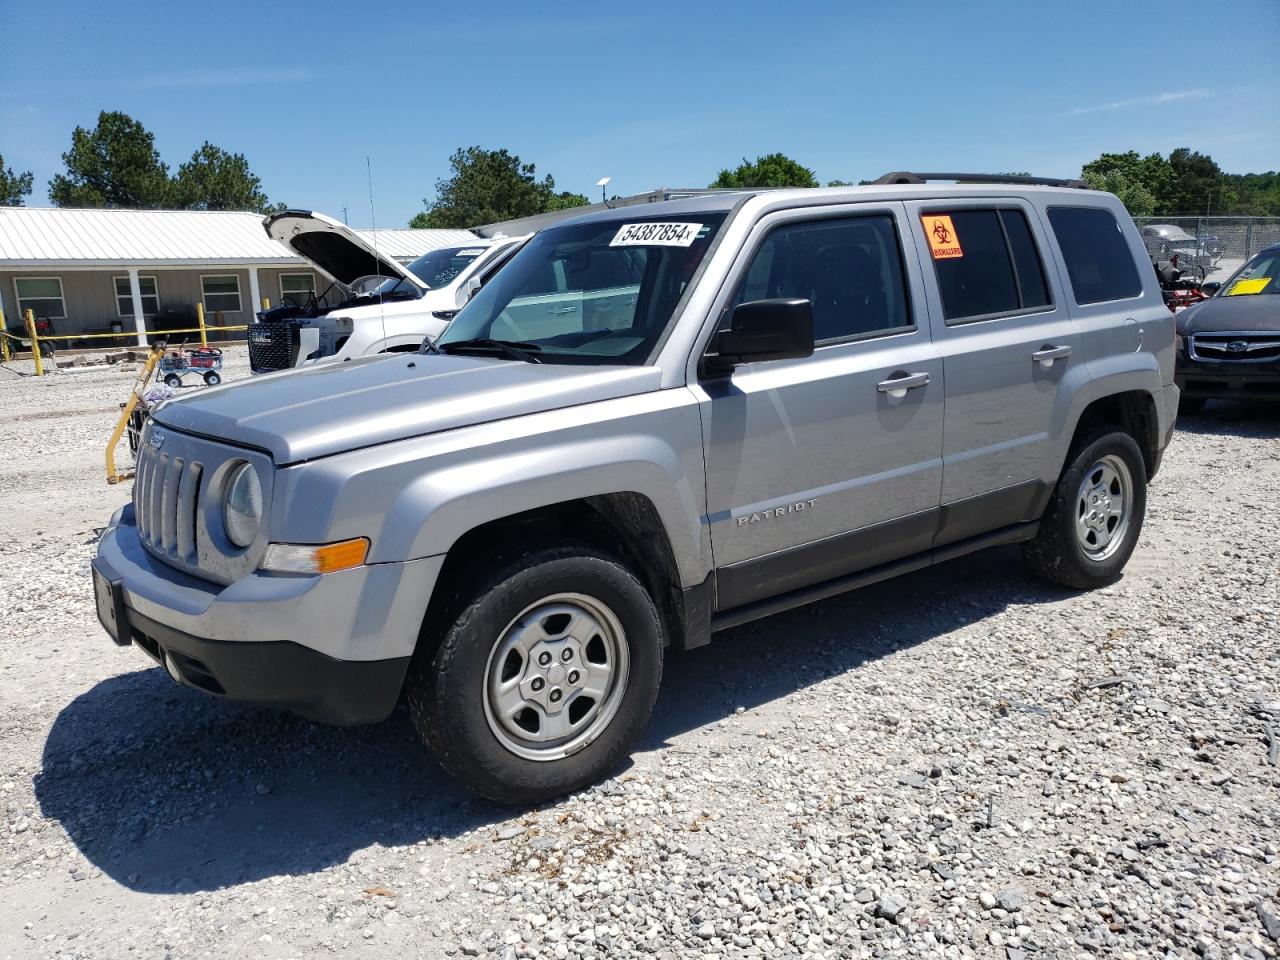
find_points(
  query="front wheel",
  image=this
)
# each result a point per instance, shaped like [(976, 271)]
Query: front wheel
[(1091, 526), (173, 380), (542, 682)]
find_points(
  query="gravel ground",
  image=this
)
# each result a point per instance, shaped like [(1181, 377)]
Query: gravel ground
[(960, 763)]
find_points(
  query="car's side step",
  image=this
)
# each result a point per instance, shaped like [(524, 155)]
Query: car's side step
[(864, 578)]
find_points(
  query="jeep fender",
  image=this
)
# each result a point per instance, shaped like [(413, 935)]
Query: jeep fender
[(1109, 376)]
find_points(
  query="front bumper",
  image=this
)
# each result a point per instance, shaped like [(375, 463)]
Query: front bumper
[(334, 647), (1240, 381)]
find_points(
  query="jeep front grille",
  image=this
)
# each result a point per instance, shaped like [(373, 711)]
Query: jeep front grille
[(177, 502), (166, 493), (1245, 347)]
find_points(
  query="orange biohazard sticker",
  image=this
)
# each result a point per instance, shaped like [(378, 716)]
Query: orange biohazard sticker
[(943, 242)]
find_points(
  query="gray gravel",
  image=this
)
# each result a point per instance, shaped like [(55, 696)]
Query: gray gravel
[(960, 763)]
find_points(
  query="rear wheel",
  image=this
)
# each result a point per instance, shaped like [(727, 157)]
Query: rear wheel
[(173, 380), (544, 679), (212, 378), (1091, 526)]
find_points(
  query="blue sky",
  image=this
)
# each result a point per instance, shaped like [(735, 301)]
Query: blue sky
[(652, 94)]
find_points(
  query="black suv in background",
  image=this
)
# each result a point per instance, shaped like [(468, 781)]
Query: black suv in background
[(1229, 344)]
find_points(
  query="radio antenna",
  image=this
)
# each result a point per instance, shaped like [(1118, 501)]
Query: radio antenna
[(377, 260)]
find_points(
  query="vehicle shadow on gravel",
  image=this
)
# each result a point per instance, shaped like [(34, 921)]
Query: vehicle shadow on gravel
[(168, 790), (762, 661), (1234, 418)]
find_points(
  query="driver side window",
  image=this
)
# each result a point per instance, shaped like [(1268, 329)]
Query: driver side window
[(850, 270)]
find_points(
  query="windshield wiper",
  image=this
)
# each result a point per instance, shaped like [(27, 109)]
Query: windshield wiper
[(512, 349)]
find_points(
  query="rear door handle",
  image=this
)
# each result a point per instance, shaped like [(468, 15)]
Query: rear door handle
[(898, 386), (1048, 355)]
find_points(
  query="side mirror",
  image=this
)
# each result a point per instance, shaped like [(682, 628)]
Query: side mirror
[(467, 291), (779, 329), (1212, 287)]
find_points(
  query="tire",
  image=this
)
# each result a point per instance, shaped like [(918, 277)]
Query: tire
[(173, 380), (1190, 405), (212, 378), (570, 606), (1073, 550)]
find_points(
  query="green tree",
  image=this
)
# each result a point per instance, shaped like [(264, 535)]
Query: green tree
[(841, 183), (13, 186), (774, 170), (214, 179), (1197, 184), (564, 200), (1152, 173), (1137, 199), (1253, 194), (113, 165), (489, 186)]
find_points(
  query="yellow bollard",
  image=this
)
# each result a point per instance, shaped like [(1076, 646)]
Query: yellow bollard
[(35, 343), (266, 304), (4, 338), (204, 338)]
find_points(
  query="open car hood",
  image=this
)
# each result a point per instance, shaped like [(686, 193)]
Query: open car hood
[(333, 248)]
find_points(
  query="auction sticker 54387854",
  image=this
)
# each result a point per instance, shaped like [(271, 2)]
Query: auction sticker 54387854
[(656, 235)]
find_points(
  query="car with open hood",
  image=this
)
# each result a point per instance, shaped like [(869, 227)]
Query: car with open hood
[(652, 424), (374, 304), (1229, 344)]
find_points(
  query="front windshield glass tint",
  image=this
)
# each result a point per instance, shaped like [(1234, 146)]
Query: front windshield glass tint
[(439, 268), (592, 293), (1259, 275)]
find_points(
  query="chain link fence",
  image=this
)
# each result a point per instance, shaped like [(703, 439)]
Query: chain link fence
[(1218, 244)]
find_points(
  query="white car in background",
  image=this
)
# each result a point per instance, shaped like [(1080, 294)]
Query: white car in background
[(374, 303)]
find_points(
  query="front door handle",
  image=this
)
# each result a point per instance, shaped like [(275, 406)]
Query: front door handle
[(561, 311), (1046, 356), (897, 387)]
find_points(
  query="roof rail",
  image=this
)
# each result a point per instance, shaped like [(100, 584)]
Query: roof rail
[(904, 176)]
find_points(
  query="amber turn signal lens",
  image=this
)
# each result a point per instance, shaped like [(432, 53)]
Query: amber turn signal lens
[(330, 558), (341, 556)]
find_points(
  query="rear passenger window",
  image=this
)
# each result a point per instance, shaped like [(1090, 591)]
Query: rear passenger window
[(849, 270), (1098, 260), (986, 263)]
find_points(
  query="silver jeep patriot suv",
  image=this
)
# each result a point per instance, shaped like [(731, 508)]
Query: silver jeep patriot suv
[(654, 423)]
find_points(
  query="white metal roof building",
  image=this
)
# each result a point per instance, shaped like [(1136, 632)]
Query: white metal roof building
[(97, 270)]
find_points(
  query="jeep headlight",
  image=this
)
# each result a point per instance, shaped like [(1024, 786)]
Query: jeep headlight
[(242, 505)]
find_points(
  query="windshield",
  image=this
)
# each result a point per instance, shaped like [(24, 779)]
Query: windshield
[(590, 293), (1259, 275), (438, 268)]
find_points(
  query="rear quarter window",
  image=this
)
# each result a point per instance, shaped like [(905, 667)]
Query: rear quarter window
[(1099, 264)]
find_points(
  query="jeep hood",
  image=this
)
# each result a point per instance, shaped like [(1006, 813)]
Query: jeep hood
[(303, 414), (333, 248), (1242, 314)]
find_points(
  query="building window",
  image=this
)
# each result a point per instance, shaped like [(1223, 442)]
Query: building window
[(42, 296), (221, 293), (124, 297), (297, 288)]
